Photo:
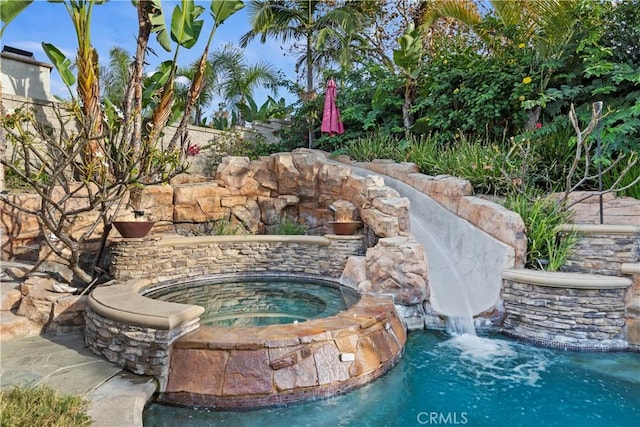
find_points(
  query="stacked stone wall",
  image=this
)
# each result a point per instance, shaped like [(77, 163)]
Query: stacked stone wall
[(584, 318), (603, 249), (144, 351), (611, 250), (161, 260)]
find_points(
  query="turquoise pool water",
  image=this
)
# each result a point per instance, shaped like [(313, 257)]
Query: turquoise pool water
[(253, 302), (465, 380)]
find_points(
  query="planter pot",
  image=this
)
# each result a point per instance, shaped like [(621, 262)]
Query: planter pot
[(133, 229), (344, 228)]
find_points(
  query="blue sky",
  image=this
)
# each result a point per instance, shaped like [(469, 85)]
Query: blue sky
[(115, 24)]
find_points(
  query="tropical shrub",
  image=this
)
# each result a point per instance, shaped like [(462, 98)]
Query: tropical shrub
[(547, 248), (370, 101), (627, 180), (374, 146), (224, 227), (464, 89), (605, 69), (288, 226), (482, 164)]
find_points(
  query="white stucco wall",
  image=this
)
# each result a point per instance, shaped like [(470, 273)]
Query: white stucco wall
[(25, 77)]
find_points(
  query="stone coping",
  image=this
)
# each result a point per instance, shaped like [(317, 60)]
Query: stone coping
[(122, 302), (559, 279), (368, 311), (262, 366), (630, 268), (241, 238), (600, 228)]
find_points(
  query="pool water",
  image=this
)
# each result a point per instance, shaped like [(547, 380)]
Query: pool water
[(464, 380), (252, 302)]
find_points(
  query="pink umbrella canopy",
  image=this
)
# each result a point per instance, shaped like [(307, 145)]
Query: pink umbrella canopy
[(331, 122)]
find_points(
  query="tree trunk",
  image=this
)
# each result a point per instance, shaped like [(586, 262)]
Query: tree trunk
[(407, 119), (310, 86), (3, 143), (533, 115)]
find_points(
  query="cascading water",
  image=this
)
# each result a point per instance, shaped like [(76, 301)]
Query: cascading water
[(458, 325)]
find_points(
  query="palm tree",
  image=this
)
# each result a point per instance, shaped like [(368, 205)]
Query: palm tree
[(116, 75), (123, 150), (239, 80), (185, 76), (313, 22), (228, 75)]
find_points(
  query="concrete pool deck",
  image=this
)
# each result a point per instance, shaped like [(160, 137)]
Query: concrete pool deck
[(116, 398)]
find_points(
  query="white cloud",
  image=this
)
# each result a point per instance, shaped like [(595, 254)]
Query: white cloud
[(39, 55), (183, 80)]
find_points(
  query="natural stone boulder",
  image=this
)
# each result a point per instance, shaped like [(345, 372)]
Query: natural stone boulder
[(38, 299), (199, 203), (272, 209), (308, 163), (188, 178), (239, 175), (353, 189), (397, 207), (233, 171), (309, 213), (19, 229), (54, 266), (391, 168), (422, 183), (10, 296), (381, 224), (155, 200), (355, 272), (13, 326), (345, 211), (375, 187), (332, 179), (398, 266), (632, 332), (67, 314), (287, 175), (452, 186), (263, 177), (231, 201), (448, 190), (501, 223), (413, 316), (16, 222), (248, 214)]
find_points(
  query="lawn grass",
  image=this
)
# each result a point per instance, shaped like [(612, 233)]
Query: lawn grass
[(41, 406)]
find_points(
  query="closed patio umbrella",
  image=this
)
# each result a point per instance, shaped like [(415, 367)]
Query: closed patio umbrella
[(331, 122)]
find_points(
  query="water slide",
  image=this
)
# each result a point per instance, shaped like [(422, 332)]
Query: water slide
[(465, 264)]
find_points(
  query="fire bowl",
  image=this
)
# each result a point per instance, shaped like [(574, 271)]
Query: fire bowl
[(133, 229), (344, 228)]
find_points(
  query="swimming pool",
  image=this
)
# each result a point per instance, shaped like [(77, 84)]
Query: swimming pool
[(477, 381)]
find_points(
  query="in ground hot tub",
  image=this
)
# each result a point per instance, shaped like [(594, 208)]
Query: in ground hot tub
[(259, 301), (278, 342)]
